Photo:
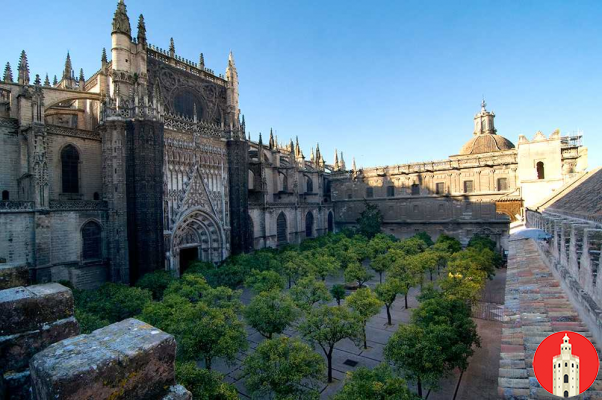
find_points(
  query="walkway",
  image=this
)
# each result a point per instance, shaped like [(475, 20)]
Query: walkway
[(535, 307)]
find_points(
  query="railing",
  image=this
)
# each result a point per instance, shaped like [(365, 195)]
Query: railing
[(16, 206), (71, 205)]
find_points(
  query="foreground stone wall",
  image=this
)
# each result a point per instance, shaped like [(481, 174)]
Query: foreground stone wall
[(126, 360)]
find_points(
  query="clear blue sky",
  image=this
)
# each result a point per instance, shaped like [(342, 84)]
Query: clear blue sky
[(386, 82)]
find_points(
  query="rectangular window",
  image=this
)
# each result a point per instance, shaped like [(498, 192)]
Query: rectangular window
[(369, 192), (468, 187), (390, 191), (415, 189), (502, 184), (440, 188)]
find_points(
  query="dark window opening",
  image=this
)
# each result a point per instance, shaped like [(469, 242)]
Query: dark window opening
[(96, 196), (349, 195), (440, 188), (540, 170), (310, 185), (281, 229), (284, 183), (390, 191), (70, 166), (502, 184), (415, 189), (369, 192), (5, 195), (566, 378), (566, 393), (330, 222), (468, 187), (187, 104), (91, 239), (309, 225)]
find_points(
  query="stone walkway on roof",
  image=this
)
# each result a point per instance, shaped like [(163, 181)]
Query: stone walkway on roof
[(536, 306)]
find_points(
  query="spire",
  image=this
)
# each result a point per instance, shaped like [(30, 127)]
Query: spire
[(260, 141), (8, 73), (312, 156), (318, 155), (297, 148), (23, 77), (103, 58), (68, 67), (291, 146), (202, 61), (483, 105), (141, 30), (121, 21), (342, 163), (55, 81), (37, 81), (230, 58), (353, 167), (336, 160), (81, 74), (46, 81), (271, 143), (172, 47)]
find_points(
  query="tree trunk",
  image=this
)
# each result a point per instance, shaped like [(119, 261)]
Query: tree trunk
[(329, 357), (406, 299), (431, 271), (365, 341), (208, 363), (270, 335), (389, 314), (419, 384), (380, 275), (339, 302)]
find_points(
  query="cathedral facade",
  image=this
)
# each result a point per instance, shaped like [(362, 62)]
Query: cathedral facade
[(145, 165)]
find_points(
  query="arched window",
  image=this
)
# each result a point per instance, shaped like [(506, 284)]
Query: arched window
[(251, 180), (281, 229), (369, 192), (566, 378), (91, 241), (540, 170), (309, 224), (284, 182), (5, 195), (566, 393), (70, 167), (330, 222), (310, 185)]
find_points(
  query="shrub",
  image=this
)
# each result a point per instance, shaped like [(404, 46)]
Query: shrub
[(204, 384), (156, 282)]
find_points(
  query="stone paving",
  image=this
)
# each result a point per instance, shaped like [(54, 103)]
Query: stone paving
[(536, 307), (481, 376)]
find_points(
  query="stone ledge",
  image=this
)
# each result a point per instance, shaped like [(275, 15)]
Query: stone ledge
[(17, 349), (178, 392), (126, 360), (13, 276), (24, 309)]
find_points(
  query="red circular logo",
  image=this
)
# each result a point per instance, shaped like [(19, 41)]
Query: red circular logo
[(566, 364)]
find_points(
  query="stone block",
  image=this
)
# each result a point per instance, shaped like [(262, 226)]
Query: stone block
[(25, 309), (178, 392), (13, 276), (126, 360), (17, 349), (17, 385)]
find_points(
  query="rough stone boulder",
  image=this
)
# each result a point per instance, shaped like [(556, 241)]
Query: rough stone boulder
[(126, 360), (29, 308), (11, 276)]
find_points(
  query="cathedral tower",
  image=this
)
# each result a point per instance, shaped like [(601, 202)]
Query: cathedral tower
[(565, 367)]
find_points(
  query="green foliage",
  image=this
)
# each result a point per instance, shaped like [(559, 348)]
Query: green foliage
[(204, 384), (418, 353), (366, 305), (89, 322), (370, 221), (271, 312), (387, 293), (425, 237), (482, 242), (448, 243), (294, 266), (264, 281), (321, 264), (410, 246), (338, 293), (355, 272), (308, 291), (156, 282), (379, 383), (200, 330), (111, 303), (284, 368), (379, 244), (407, 272), (325, 326), (382, 263), (190, 286)]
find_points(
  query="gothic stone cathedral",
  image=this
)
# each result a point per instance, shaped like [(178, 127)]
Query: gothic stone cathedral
[(146, 165), (143, 166)]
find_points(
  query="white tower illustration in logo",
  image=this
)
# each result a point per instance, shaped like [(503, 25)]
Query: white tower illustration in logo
[(566, 371)]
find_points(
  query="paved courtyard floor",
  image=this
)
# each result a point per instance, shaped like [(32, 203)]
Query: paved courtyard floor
[(479, 381)]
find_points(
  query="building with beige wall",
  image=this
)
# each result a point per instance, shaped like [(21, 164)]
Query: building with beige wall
[(565, 371)]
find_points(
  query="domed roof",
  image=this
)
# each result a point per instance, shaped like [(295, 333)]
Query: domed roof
[(486, 143)]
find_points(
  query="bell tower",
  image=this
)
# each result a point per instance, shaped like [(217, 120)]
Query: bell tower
[(483, 121)]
